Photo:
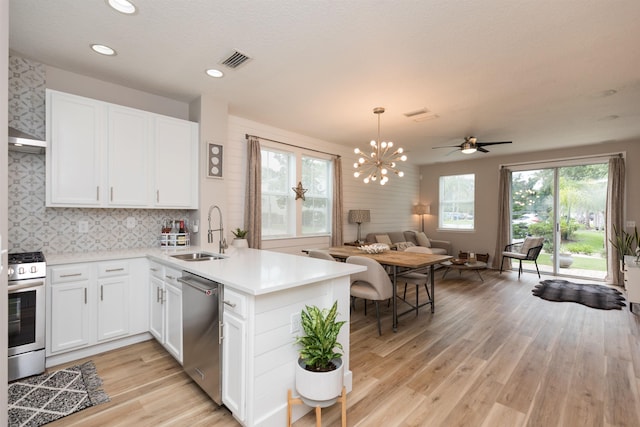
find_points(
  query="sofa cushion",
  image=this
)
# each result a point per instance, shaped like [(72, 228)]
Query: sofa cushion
[(401, 246), (423, 240), (383, 238)]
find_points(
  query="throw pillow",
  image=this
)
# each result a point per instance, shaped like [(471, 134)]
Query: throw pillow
[(422, 239), (401, 246), (383, 238)]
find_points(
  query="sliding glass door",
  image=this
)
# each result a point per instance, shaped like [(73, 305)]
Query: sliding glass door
[(565, 205)]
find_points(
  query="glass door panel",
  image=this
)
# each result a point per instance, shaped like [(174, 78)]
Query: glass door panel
[(566, 205)]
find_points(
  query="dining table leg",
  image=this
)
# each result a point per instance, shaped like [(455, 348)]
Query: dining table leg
[(433, 288), (395, 302)]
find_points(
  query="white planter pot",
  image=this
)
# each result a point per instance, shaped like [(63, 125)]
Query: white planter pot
[(565, 260), (240, 243), (319, 388)]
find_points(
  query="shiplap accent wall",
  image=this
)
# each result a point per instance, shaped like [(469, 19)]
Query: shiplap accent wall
[(390, 205)]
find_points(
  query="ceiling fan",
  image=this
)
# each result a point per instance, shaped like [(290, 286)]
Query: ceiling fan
[(471, 145)]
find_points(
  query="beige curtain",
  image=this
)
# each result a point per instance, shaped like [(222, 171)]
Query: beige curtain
[(503, 237), (614, 216), (253, 198), (336, 215)]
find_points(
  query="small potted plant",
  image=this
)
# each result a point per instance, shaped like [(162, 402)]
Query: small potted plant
[(240, 240), (319, 371)]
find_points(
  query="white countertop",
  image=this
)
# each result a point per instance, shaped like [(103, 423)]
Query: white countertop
[(252, 271)]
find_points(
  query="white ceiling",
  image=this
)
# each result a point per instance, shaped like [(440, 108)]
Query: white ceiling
[(535, 72)]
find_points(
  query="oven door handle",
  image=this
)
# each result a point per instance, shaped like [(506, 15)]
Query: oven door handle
[(24, 284)]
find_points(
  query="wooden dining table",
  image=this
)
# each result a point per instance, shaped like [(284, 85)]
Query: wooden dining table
[(398, 262)]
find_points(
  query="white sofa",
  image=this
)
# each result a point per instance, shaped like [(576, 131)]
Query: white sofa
[(437, 246)]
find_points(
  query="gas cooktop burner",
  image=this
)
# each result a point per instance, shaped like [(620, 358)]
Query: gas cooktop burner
[(26, 258)]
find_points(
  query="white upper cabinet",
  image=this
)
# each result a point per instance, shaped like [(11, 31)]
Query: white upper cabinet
[(106, 155), (130, 157), (75, 131), (176, 162)]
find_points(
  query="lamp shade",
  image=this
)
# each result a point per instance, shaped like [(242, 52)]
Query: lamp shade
[(359, 216), (422, 209)]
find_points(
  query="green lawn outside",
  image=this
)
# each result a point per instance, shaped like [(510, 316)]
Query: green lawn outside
[(580, 262)]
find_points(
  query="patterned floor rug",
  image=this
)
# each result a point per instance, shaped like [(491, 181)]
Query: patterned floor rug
[(596, 296), (41, 399)]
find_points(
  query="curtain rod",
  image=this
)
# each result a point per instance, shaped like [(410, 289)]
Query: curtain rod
[(246, 135), (567, 159)]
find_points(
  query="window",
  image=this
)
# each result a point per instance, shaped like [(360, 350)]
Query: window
[(457, 202), (282, 215)]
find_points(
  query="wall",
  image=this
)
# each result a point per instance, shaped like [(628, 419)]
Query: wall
[(34, 227), (483, 238)]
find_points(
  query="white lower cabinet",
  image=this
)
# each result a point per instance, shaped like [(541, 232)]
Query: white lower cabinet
[(632, 281), (234, 357), (69, 312), (165, 309), (90, 303)]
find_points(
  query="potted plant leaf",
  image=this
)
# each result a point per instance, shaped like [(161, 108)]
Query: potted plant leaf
[(319, 371), (624, 243), (240, 238)]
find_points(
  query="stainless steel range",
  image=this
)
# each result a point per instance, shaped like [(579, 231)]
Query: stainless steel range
[(27, 273)]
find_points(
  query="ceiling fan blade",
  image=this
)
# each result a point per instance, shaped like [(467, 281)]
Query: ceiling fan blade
[(451, 152), (484, 150), (447, 146), (480, 144)]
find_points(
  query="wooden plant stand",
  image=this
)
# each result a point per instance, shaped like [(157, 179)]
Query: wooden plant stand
[(296, 401)]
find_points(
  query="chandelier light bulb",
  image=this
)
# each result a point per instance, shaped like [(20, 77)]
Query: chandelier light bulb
[(390, 144), (361, 160), (383, 171), (403, 158), (383, 144), (356, 174), (400, 174), (357, 151), (366, 180), (373, 143), (400, 150)]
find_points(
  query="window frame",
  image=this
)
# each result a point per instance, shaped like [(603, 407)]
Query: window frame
[(294, 225), (444, 204)]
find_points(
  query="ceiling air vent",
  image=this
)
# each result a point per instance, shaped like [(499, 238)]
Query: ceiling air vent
[(421, 115), (235, 60)]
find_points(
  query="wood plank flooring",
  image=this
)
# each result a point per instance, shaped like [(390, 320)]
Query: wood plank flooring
[(491, 355)]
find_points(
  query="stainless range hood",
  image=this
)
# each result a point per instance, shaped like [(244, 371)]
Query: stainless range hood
[(20, 141)]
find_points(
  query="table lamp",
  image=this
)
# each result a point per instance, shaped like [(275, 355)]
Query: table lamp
[(358, 216)]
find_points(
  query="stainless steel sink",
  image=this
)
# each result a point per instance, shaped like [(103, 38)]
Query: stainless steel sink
[(197, 256)]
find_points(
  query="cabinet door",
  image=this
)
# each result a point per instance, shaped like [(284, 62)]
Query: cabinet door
[(234, 365), (173, 321), (130, 156), (113, 307), (75, 137), (69, 315), (176, 168), (156, 309)]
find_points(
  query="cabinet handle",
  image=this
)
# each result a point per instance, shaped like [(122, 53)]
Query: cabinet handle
[(157, 196), (101, 292), (98, 193), (158, 294), (153, 269), (85, 296), (170, 277), (220, 332), (111, 194), (71, 275), (111, 270), (229, 303)]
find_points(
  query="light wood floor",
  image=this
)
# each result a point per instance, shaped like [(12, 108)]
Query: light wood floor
[(491, 355)]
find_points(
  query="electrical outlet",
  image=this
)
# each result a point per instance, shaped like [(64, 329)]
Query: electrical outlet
[(296, 323), (131, 222), (83, 226)]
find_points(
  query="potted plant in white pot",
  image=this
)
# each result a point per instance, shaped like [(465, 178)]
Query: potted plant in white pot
[(240, 238), (319, 371)]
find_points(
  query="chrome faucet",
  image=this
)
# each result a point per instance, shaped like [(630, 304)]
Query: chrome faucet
[(222, 242)]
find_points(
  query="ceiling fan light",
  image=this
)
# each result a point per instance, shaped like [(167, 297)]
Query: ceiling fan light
[(468, 150)]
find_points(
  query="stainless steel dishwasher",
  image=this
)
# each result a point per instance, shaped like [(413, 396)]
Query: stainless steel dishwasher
[(201, 300)]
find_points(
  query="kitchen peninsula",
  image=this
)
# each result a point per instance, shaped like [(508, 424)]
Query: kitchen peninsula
[(263, 293)]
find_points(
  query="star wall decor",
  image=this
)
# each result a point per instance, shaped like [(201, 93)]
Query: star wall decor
[(299, 191)]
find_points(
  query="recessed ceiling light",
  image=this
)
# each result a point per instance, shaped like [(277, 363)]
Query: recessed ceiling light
[(122, 6), (103, 50), (214, 73)]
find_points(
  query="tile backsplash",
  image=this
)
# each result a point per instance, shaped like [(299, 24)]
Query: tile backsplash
[(34, 227), (27, 83)]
